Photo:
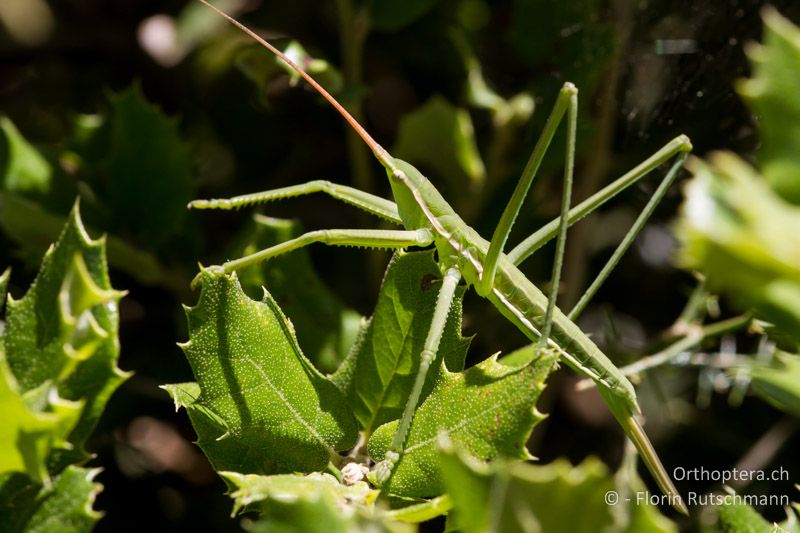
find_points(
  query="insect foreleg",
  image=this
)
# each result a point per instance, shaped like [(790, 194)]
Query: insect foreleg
[(370, 203), (678, 145), (500, 236), (335, 237), (444, 300)]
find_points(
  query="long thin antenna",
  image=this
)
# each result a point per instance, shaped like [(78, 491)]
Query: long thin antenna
[(376, 148)]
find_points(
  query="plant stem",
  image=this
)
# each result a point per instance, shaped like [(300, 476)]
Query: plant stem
[(694, 337)]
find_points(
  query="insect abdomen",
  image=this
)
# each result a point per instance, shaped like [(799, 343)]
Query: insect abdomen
[(524, 304)]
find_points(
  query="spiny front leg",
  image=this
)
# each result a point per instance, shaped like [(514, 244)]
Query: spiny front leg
[(391, 239), (374, 205), (383, 470)]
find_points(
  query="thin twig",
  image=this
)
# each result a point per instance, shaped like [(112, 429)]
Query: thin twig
[(695, 336)]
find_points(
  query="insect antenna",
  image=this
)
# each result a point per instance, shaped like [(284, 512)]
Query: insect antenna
[(377, 149)]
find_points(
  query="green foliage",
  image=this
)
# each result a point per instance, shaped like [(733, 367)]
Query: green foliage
[(738, 517), (487, 410), (64, 505), (319, 502), (394, 15), (261, 67), (779, 383), (255, 491), (259, 407), (22, 168), (737, 226), (314, 503), (325, 327), (59, 351), (62, 335), (379, 372), (27, 436), (522, 497), (262, 406), (121, 164), (440, 137), (144, 162), (772, 93), (740, 234)]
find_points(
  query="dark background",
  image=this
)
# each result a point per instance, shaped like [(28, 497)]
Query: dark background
[(246, 137)]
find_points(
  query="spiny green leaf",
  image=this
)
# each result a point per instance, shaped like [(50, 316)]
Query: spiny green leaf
[(34, 228), (326, 329), (421, 512), (57, 345), (524, 497), (737, 517), (487, 410), (23, 169), (65, 505), (379, 372), (254, 492), (27, 436), (313, 503), (146, 163), (773, 95), (272, 410), (62, 335), (440, 137), (743, 237)]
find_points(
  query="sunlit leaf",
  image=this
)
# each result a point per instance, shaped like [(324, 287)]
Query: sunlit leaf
[(772, 93), (779, 382), (379, 372), (488, 411), (743, 237), (58, 356), (736, 516), (64, 505), (262, 407), (326, 329), (254, 492), (313, 503), (61, 336), (22, 168), (524, 497), (26, 436), (4, 277), (440, 137)]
